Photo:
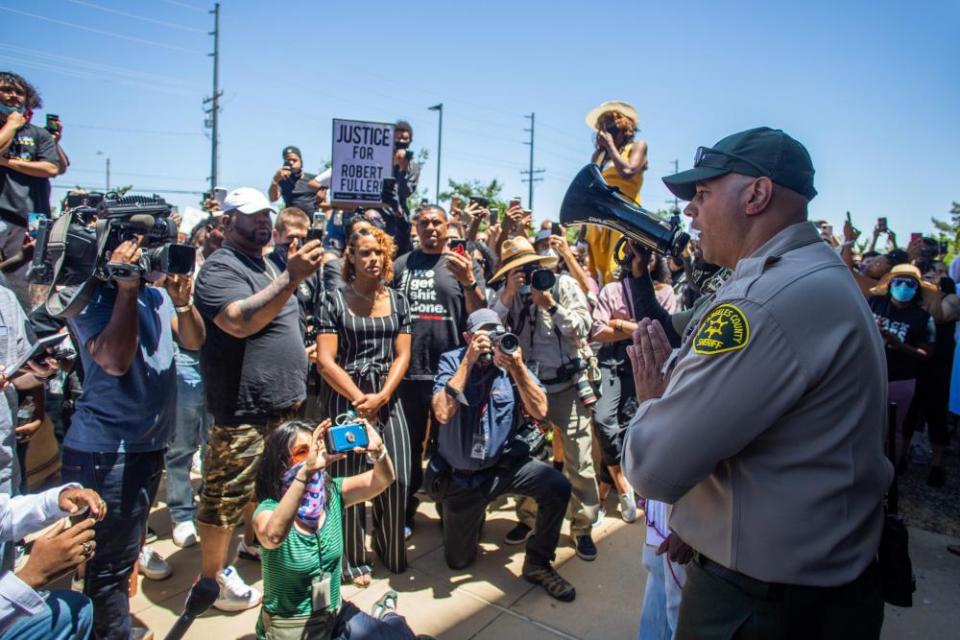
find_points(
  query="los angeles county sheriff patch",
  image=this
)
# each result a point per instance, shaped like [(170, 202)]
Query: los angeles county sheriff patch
[(724, 329)]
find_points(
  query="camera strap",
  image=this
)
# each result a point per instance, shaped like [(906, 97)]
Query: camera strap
[(57, 247)]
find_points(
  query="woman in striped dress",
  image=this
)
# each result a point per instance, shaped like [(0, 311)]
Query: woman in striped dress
[(363, 350)]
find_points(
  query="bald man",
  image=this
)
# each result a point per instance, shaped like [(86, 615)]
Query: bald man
[(764, 429)]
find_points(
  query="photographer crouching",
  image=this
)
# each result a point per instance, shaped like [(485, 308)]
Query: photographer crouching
[(125, 415), (479, 395), (549, 313)]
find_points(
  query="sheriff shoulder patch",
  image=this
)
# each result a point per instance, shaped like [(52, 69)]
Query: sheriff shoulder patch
[(724, 329)]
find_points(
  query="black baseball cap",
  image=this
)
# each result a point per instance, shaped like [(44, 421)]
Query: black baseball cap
[(759, 152)]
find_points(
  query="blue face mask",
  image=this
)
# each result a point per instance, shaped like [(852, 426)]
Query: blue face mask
[(5, 110), (902, 292)]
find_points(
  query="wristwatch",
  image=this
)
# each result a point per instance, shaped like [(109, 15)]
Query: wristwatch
[(383, 454), (185, 307), (553, 309), (472, 285)]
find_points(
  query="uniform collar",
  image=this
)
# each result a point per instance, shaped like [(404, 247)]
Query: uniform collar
[(793, 237)]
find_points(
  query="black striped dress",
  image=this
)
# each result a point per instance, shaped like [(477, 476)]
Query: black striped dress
[(365, 350)]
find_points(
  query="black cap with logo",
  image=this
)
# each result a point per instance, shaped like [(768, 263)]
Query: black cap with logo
[(760, 152)]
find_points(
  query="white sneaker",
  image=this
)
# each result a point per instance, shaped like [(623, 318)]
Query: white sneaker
[(185, 534), (248, 551), (601, 514), (235, 594), (153, 566), (628, 507)]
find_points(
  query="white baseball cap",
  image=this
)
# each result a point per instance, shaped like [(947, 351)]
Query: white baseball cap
[(246, 200)]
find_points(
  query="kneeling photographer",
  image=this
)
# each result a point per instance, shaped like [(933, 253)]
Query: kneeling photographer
[(479, 395), (549, 314), (126, 413)]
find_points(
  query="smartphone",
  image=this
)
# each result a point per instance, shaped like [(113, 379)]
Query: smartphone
[(33, 223), (882, 224), (458, 245), (483, 202), (314, 233), (849, 219), (53, 123), (494, 216), (344, 438), (514, 202), (915, 237), (556, 229)]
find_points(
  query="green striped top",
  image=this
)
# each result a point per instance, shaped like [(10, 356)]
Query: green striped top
[(289, 570)]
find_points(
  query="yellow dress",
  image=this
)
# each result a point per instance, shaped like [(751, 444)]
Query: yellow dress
[(601, 241)]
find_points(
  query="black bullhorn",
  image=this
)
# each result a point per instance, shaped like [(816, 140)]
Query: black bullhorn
[(590, 200)]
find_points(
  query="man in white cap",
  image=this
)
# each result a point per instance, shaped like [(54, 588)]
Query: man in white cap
[(255, 370)]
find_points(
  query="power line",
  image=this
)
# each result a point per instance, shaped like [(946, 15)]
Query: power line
[(91, 75), (163, 23), (102, 32), (97, 66), (145, 131), (184, 5)]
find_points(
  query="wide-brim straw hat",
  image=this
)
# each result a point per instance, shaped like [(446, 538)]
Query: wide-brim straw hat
[(619, 106), (902, 271), (517, 252)]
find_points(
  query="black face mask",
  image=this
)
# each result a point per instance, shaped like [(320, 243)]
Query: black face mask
[(612, 129), (402, 145)]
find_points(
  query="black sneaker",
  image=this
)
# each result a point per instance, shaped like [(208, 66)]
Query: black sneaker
[(585, 547), (518, 535), (551, 581), (937, 477)]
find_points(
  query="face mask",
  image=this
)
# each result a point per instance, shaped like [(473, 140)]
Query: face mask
[(402, 145), (5, 110), (314, 499), (549, 253), (903, 293)]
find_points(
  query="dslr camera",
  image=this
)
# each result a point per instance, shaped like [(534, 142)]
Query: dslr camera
[(73, 250), (503, 341), (538, 278)]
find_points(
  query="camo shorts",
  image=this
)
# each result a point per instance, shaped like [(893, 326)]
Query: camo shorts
[(230, 470)]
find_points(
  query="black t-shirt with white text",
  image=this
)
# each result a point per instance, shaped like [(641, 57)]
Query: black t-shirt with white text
[(259, 376), (21, 194), (437, 308), (911, 325)]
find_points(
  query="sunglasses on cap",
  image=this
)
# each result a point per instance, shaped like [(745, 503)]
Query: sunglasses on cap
[(904, 282), (714, 159)]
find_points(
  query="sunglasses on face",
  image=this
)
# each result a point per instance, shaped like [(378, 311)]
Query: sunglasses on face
[(714, 159), (910, 283), (299, 453)]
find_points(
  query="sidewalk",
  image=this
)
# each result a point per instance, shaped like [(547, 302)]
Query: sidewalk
[(491, 602)]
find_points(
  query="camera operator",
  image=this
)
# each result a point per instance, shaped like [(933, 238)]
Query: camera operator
[(125, 417), (293, 183), (28, 160), (443, 287), (552, 319), (478, 396), (255, 369)]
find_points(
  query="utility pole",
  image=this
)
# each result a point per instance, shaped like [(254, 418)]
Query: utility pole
[(214, 100), (439, 109), (108, 174), (107, 167), (532, 176)]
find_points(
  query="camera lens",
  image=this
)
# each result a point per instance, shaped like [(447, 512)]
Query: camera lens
[(543, 280), (508, 343)]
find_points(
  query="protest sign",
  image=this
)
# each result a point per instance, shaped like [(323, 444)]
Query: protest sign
[(362, 160)]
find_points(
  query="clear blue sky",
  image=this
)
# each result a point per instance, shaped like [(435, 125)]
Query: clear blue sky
[(872, 89)]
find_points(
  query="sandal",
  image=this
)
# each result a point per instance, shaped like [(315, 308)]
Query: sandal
[(363, 580)]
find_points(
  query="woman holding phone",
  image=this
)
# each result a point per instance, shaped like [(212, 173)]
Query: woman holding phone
[(298, 522), (363, 350), (622, 161)]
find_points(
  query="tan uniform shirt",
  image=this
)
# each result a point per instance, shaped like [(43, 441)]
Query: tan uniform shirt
[(769, 436)]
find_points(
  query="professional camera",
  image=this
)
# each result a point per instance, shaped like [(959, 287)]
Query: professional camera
[(74, 249), (503, 341), (538, 278)]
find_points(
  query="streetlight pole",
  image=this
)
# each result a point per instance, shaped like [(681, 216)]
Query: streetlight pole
[(439, 109), (101, 153)]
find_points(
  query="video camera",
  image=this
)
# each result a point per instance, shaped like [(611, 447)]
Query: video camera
[(74, 249)]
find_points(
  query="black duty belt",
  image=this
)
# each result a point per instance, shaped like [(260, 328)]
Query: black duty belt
[(779, 591)]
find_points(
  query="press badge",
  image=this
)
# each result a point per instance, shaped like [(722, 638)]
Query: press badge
[(321, 592), (479, 447)]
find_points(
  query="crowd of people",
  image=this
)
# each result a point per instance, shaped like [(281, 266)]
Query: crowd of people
[(319, 360)]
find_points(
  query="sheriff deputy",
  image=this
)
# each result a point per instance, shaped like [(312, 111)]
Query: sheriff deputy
[(767, 433)]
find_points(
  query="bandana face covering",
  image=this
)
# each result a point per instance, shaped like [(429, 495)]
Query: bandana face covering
[(314, 499)]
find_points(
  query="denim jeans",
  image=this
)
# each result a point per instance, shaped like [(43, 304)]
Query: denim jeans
[(661, 597), (68, 616), (128, 483), (193, 422)]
